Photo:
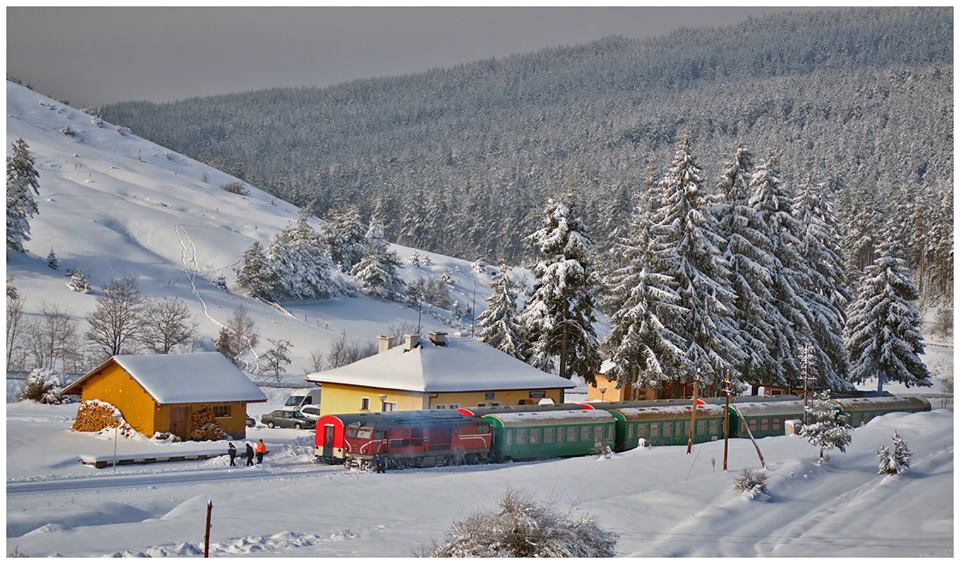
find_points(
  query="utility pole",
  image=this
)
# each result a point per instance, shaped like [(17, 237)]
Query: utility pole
[(806, 351), (116, 431), (693, 417), (727, 390), (206, 534)]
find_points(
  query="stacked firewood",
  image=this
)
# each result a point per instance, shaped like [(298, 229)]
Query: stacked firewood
[(96, 415), (205, 426)]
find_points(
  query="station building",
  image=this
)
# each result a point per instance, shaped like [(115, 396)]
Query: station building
[(437, 373)]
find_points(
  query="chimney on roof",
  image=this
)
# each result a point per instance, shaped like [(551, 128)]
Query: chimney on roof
[(438, 338), (410, 341), (385, 343)]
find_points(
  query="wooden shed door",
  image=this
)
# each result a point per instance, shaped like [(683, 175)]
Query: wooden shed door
[(178, 421)]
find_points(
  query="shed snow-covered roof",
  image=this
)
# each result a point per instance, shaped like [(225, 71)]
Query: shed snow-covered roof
[(184, 378), (463, 365)]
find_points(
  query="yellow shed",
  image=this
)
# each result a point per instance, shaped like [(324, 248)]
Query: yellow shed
[(159, 393), (435, 374)]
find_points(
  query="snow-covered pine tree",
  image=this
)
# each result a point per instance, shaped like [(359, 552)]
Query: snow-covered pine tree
[(412, 229), (826, 426), (886, 463), (254, 272), (22, 184), (883, 327), (52, 261), (688, 239), (78, 282), (773, 203), (376, 273), (825, 289), (497, 325), (749, 252), (299, 260), (557, 319), (344, 237), (644, 352), (901, 454)]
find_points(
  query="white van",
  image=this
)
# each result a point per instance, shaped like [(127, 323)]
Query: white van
[(301, 398)]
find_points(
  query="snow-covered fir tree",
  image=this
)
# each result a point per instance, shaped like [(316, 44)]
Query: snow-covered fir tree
[(901, 453), (52, 261), (883, 328), (301, 265), (22, 185), (749, 252), (557, 319), (376, 273), (773, 202), (497, 325), (825, 289), (78, 282), (688, 239), (254, 272), (344, 237), (643, 350), (826, 426)]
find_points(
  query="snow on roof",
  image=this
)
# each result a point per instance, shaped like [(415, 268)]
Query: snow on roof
[(675, 409), (186, 378), (606, 365), (463, 365), (534, 416)]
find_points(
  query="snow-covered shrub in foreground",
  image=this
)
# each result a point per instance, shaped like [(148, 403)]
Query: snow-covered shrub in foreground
[(894, 462), (44, 385), (522, 528), (753, 483)]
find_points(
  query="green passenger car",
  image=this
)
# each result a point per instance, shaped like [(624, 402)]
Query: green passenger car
[(550, 434), (860, 411), (666, 425), (764, 418)]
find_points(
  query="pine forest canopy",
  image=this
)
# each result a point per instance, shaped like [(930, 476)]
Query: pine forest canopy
[(460, 160)]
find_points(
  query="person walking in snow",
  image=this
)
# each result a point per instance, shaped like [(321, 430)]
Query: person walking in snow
[(249, 455), (261, 450), (379, 464), (232, 453)]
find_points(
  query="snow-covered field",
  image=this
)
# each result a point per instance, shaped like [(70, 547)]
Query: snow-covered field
[(661, 501)]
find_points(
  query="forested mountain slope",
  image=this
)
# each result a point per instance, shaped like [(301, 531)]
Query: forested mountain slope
[(460, 160)]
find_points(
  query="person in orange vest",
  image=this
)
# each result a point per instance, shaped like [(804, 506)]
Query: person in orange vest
[(261, 450)]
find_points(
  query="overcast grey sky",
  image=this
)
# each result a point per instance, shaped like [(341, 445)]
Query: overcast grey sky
[(94, 56)]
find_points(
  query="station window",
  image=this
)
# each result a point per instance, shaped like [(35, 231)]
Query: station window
[(389, 406), (521, 436), (572, 434), (535, 436), (548, 435), (364, 404), (221, 411)]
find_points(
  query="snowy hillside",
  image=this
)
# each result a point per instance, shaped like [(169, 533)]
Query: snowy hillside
[(113, 205)]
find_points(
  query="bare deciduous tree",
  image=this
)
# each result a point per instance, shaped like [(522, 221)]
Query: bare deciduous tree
[(239, 335), (51, 337), (167, 323), (14, 318), (278, 357), (316, 361), (343, 352), (115, 322)]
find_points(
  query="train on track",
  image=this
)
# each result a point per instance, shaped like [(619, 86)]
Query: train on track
[(530, 432)]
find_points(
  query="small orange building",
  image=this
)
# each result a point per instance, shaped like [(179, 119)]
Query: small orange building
[(606, 389), (158, 393)]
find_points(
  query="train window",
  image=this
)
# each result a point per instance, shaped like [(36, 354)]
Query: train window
[(609, 431), (702, 427), (643, 430), (714, 427), (777, 423), (754, 425), (507, 437), (561, 434), (363, 434), (765, 424), (483, 429), (631, 431), (571, 434), (548, 435), (654, 430), (535, 436), (521, 436), (585, 433), (378, 435), (351, 432)]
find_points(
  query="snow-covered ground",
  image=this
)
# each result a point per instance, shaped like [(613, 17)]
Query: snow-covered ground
[(115, 205), (662, 501)]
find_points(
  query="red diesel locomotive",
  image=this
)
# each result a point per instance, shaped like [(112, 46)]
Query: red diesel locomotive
[(404, 438)]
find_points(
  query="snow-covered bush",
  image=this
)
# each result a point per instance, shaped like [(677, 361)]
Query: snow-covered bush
[(894, 462), (236, 188), (44, 385), (78, 282), (52, 261), (752, 483), (68, 131), (523, 528), (416, 259)]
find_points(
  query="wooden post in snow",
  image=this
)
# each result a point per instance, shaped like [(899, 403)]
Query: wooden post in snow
[(693, 418), (726, 418), (206, 533)]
